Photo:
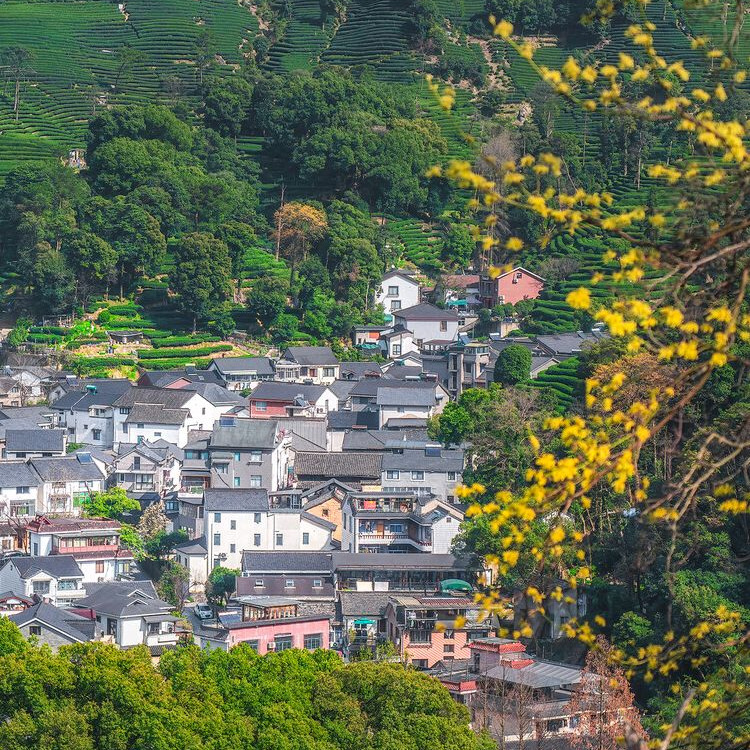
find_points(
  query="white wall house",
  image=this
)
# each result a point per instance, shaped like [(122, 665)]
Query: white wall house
[(20, 489), (66, 482), (428, 323), (57, 578), (237, 520), (398, 290)]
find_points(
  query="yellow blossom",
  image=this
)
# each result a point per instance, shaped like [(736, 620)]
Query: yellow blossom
[(579, 299)]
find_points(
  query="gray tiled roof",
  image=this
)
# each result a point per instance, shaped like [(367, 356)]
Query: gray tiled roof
[(371, 386), (257, 365), (424, 311), (537, 675), (170, 398), (156, 414), (35, 441), (570, 343), (245, 433), (401, 372), (163, 378), (287, 562), (342, 388), (273, 391), (416, 460), (363, 603), (400, 561), (65, 469), (216, 499), (406, 396), (18, 474), (311, 355), (215, 394), (338, 465), (130, 600), (58, 566), (360, 369), (105, 394), (345, 420), (71, 625)]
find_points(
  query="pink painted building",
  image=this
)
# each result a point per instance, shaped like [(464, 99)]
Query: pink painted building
[(268, 624), (511, 287), (423, 628)]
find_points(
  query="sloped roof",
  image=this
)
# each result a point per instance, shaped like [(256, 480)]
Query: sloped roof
[(401, 561), (363, 603), (404, 274), (361, 369), (311, 355), (269, 390), (345, 420), (406, 396), (216, 499), (257, 365), (287, 562), (371, 386), (169, 398), (57, 566), (65, 469), (215, 394), (68, 525), (18, 474), (424, 311), (156, 414), (71, 625), (245, 433), (104, 392), (417, 460), (133, 600), (539, 674), (338, 465)]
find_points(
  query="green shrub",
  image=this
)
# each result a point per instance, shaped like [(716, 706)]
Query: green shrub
[(183, 353)]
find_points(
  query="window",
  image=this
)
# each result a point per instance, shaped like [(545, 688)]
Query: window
[(35, 629), (317, 583), (221, 468), (256, 518), (252, 644), (305, 537), (233, 525), (283, 642), (261, 406), (396, 350), (329, 372), (313, 372), (289, 583), (259, 583), (392, 474), (417, 476), (137, 463), (217, 517), (22, 490), (97, 434), (448, 648), (232, 548), (100, 566), (157, 434), (256, 540), (40, 587), (125, 429), (443, 325), (124, 410), (236, 481), (313, 641), (256, 457), (67, 584), (451, 476), (256, 480), (419, 663), (217, 540), (395, 304), (140, 426), (279, 540), (393, 291), (237, 456)]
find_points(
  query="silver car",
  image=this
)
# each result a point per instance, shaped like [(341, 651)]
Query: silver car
[(203, 611)]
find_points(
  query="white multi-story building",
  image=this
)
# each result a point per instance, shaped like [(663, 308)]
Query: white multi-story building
[(20, 489), (65, 482), (236, 520), (398, 290), (56, 579)]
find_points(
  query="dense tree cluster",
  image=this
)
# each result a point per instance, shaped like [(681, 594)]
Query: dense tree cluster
[(94, 696)]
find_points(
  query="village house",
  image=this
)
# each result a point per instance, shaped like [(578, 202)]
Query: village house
[(56, 579), (424, 628), (424, 471), (398, 290), (54, 626), (20, 489), (242, 373), (65, 482), (510, 287), (429, 324), (276, 399), (266, 624), (148, 471), (397, 521), (34, 443), (94, 543), (315, 365)]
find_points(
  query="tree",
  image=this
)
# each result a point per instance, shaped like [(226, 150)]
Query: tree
[(94, 261), (204, 54), (114, 503), (221, 585), (163, 543), (16, 63), (226, 103), (127, 58), (201, 278), (239, 238), (174, 585), (265, 301), (603, 703), (53, 280), (299, 227), (153, 521), (513, 365)]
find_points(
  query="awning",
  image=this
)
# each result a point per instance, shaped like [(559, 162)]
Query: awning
[(455, 584), (161, 618), (364, 622)]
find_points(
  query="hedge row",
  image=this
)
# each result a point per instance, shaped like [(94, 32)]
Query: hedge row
[(85, 362), (57, 330), (44, 338), (127, 310), (182, 353), (173, 364), (173, 341)]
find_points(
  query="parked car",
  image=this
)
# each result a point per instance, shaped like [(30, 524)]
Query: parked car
[(203, 611)]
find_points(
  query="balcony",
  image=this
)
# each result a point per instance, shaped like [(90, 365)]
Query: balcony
[(159, 639), (388, 537)]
